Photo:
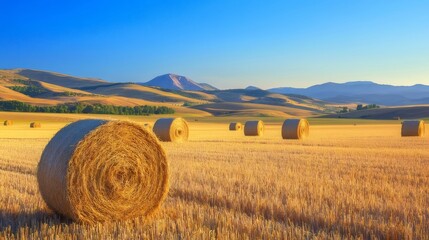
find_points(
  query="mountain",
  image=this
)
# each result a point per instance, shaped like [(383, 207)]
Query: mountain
[(208, 87), (252, 88), (177, 82), (363, 92)]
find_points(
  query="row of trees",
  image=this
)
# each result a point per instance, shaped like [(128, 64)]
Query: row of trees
[(16, 106), (370, 106), (30, 90), (34, 90), (359, 107)]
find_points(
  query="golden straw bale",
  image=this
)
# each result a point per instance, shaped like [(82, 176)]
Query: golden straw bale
[(295, 129), (97, 170), (413, 128), (35, 125), (171, 129), (8, 122), (235, 126), (254, 128)]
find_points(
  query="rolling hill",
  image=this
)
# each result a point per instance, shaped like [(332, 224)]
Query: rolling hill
[(48, 88), (268, 98), (389, 113), (59, 79), (7, 94), (48, 94), (254, 109), (363, 92), (140, 92)]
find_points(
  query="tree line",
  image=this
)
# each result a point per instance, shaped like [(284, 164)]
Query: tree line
[(358, 108), (17, 106)]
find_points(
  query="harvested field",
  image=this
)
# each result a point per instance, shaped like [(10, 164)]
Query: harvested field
[(344, 181)]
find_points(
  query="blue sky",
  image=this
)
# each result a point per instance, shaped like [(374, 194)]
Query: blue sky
[(229, 44)]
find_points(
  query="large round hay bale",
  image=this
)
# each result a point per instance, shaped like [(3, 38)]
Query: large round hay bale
[(235, 126), (413, 128), (254, 128), (295, 129), (97, 170), (35, 125), (171, 129), (8, 122)]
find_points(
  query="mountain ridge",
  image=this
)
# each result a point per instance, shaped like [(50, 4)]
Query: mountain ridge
[(362, 92)]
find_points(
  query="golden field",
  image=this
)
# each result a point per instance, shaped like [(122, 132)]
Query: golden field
[(348, 180)]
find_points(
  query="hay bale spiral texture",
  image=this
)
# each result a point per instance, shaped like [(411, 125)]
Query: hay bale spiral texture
[(413, 128), (96, 171), (35, 125), (254, 128), (295, 129), (235, 126), (171, 129), (8, 122)]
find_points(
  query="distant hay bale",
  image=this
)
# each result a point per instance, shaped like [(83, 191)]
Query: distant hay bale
[(413, 128), (254, 128), (295, 129), (171, 129), (35, 125), (97, 170), (235, 126), (8, 122)]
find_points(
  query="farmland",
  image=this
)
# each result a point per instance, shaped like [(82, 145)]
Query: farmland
[(350, 179)]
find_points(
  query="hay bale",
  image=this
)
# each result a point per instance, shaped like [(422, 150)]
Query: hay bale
[(171, 129), (295, 129), (8, 123), (235, 126), (413, 128), (35, 125), (97, 170), (254, 128)]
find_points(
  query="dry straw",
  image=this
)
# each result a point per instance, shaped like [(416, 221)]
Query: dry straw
[(171, 129), (235, 126), (413, 128), (8, 122), (148, 126), (35, 125), (254, 128), (295, 129), (97, 171)]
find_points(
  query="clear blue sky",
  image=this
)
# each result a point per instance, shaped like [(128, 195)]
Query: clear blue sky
[(228, 43)]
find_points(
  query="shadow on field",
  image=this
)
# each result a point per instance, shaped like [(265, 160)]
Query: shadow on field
[(12, 222)]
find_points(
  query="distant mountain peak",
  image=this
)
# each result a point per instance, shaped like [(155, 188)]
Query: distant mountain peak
[(252, 88), (177, 82), (359, 82)]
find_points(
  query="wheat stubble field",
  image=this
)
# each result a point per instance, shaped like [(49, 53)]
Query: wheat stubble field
[(346, 181)]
